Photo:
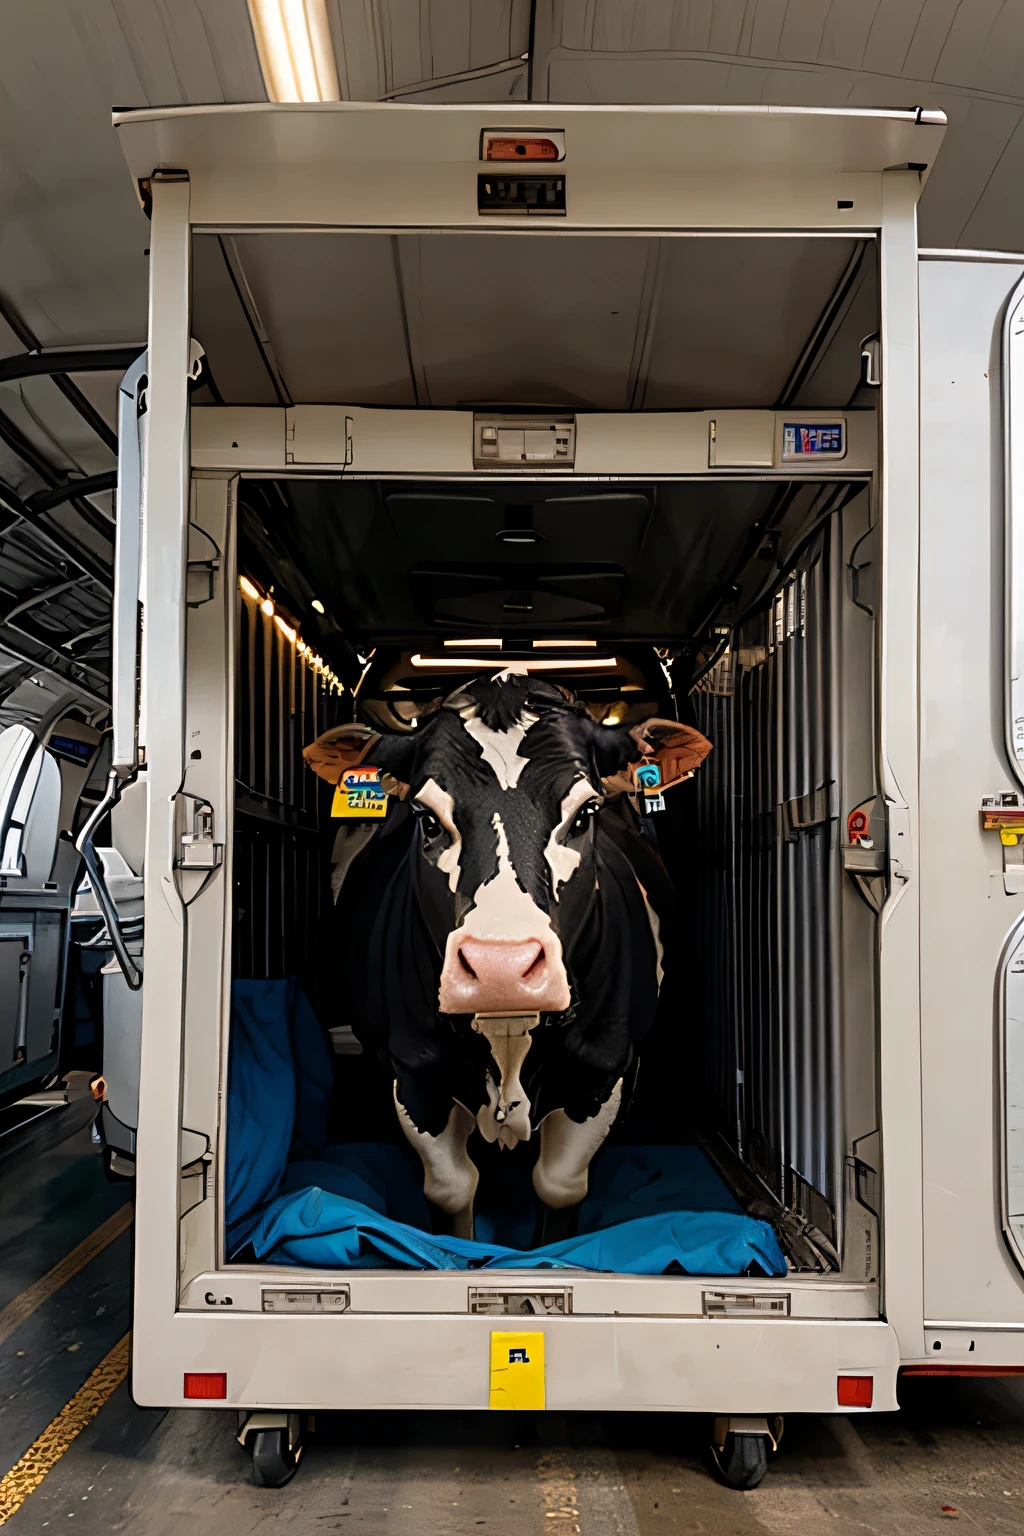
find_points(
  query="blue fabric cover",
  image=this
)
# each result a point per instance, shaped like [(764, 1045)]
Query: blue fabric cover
[(313, 1227), (298, 1201), (280, 1080)]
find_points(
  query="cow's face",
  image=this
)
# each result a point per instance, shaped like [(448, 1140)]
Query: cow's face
[(505, 783)]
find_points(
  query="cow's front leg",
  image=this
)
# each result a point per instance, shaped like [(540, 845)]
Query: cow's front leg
[(561, 1172), (450, 1177)]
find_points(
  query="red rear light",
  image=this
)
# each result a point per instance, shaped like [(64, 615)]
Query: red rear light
[(520, 149), (208, 1384), (855, 1391)]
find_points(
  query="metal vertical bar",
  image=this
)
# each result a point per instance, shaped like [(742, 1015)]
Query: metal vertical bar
[(899, 948), (166, 482)]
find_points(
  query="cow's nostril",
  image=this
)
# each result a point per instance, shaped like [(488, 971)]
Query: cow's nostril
[(535, 966), (466, 966)]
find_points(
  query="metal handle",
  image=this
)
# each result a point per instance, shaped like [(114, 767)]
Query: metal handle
[(131, 405), (83, 842)]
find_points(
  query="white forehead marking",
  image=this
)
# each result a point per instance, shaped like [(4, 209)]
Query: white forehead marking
[(500, 749), (562, 861), (502, 909), (441, 803)]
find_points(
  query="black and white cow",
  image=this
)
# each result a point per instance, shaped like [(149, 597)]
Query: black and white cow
[(512, 951)]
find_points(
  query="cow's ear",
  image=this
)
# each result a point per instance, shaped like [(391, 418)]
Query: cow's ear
[(677, 749), (344, 747), (338, 750)]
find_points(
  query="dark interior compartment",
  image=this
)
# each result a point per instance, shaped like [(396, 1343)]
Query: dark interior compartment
[(707, 602)]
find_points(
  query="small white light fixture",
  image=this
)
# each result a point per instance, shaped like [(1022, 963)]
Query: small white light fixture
[(249, 588), (569, 665), (317, 606), (293, 39), (267, 607)]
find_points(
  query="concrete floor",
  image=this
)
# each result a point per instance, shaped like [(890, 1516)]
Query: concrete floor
[(957, 1444)]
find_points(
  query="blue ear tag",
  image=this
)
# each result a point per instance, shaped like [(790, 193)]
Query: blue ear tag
[(647, 777)]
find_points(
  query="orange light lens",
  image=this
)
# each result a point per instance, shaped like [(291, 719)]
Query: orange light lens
[(855, 1391), (206, 1384), (521, 149)]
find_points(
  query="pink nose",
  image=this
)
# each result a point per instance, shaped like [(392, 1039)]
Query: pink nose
[(501, 976)]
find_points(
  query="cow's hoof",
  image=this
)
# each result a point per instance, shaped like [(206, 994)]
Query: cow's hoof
[(275, 1457), (742, 1461), (554, 1226)]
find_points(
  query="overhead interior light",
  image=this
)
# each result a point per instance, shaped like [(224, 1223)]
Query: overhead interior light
[(285, 629), (317, 606), (293, 39), (612, 719), (562, 645), (471, 643), (248, 588), (267, 607), (568, 665)]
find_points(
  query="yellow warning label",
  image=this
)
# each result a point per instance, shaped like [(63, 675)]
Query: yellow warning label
[(359, 793), (517, 1370)]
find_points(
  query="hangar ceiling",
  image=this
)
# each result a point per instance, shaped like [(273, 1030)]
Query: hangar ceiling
[(73, 241)]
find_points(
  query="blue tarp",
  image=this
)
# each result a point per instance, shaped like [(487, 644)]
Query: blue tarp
[(299, 1201)]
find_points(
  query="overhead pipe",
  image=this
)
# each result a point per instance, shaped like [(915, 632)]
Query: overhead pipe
[(89, 485), (30, 365), (68, 389)]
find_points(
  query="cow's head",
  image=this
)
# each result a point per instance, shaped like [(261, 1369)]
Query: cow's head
[(505, 781)]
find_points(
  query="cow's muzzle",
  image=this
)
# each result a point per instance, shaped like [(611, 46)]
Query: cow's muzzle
[(503, 975)]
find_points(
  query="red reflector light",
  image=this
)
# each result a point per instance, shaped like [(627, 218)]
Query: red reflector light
[(855, 1391), (208, 1384), (521, 149)]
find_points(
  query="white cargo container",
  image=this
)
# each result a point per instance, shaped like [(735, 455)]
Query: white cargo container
[(725, 316)]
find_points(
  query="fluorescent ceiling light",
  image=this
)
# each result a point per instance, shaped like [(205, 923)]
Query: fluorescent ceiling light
[(568, 665), (293, 38), (564, 645), (471, 643)]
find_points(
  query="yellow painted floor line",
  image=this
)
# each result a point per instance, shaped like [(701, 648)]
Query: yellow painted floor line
[(42, 1456), (16, 1311)]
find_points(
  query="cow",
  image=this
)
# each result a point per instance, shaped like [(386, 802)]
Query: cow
[(513, 958)]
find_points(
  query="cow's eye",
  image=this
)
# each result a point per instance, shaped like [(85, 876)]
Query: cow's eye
[(584, 816), (429, 824)]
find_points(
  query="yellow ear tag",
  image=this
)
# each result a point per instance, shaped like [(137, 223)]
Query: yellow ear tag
[(359, 794), (517, 1370)]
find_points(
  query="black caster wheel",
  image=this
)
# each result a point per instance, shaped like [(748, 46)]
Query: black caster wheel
[(275, 1457), (742, 1461)]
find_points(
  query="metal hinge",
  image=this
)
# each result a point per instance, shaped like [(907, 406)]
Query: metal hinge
[(198, 848)]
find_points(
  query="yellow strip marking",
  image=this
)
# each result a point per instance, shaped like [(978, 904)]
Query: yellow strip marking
[(43, 1455), (22, 1307)]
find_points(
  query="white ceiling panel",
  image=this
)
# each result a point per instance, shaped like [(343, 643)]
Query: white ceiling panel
[(547, 321), (510, 321), (732, 316), (332, 309)]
